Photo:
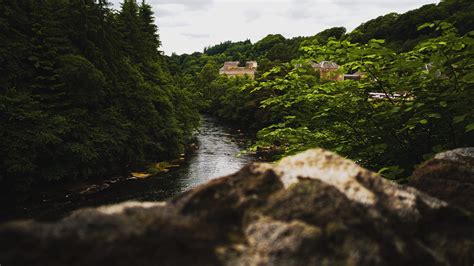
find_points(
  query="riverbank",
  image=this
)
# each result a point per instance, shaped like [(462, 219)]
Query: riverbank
[(217, 145)]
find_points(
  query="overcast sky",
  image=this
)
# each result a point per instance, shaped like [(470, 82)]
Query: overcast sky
[(188, 26)]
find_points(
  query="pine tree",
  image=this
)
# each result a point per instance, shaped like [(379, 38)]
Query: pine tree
[(84, 91)]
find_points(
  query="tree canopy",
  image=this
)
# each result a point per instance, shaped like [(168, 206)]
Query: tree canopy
[(85, 92)]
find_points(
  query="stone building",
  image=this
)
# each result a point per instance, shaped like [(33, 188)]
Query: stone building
[(231, 68), (328, 70)]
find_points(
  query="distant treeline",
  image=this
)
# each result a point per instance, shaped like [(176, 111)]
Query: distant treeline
[(85, 92)]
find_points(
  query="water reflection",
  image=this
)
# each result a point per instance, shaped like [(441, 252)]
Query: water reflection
[(216, 156)]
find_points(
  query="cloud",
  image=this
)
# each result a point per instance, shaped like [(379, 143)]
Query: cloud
[(298, 13), (171, 11), (251, 15), (310, 9), (187, 26), (196, 35), (346, 13), (162, 12), (398, 4), (188, 4), (173, 24)]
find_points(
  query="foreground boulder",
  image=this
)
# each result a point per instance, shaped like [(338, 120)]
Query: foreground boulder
[(315, 208), (448, 176)]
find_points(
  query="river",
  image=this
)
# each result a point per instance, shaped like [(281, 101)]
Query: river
[(217, 155)]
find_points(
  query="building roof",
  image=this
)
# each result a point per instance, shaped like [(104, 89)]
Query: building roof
[(325, 65)]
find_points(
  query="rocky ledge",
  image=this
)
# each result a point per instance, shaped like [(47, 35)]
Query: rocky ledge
[(315, 208)]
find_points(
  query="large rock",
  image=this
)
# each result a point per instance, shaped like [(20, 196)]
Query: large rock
[(448, 176), (315, 208)]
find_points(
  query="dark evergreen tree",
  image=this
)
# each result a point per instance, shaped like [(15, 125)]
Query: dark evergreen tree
[(84, 91)]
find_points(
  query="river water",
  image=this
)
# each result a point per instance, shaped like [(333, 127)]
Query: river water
[(216, 156)]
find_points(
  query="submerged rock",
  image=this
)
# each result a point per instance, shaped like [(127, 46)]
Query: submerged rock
[(315, 208)]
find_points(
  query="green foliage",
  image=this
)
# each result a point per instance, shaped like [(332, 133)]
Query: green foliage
[(424, 73), (400, 30), (337, 33), (427, 104), (85, 92), (268, 42), (228, 102), (224, 97)]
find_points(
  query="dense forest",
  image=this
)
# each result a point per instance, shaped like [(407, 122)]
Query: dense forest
[(421, 62), (85, 91)]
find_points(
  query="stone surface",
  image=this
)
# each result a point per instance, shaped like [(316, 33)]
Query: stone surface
[(315, 208), (448, 176)]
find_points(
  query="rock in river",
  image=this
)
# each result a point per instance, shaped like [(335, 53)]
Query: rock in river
[(315, 208)]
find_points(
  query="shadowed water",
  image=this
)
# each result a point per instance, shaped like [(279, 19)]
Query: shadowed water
[(215, 157)]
